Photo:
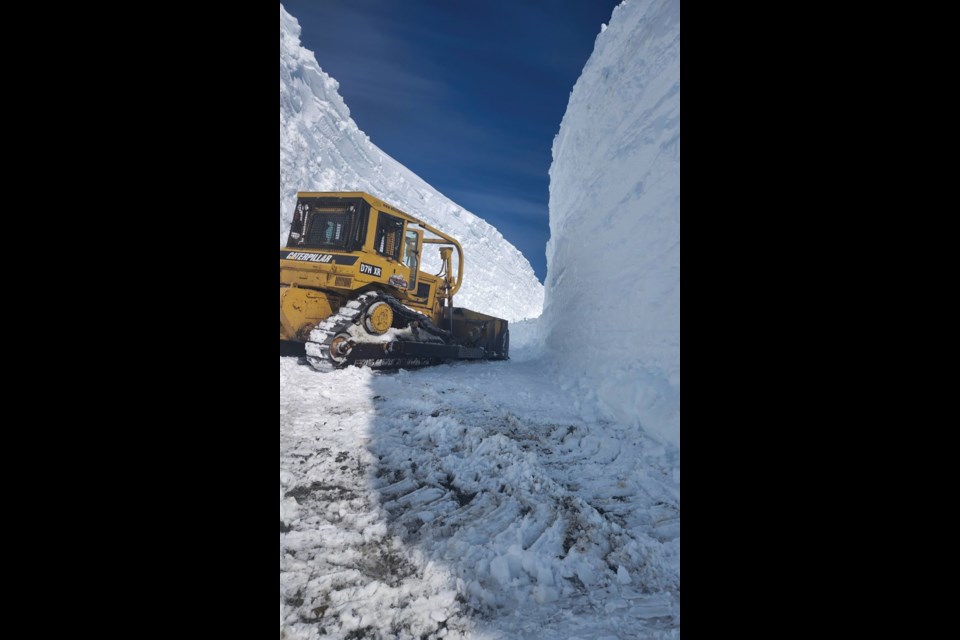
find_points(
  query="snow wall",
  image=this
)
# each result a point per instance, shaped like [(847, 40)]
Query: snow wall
[(612, 311)]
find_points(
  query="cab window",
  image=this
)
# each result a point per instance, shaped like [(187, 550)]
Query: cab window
[(410, 250), (389, 234), (410, 257), (322, 223)]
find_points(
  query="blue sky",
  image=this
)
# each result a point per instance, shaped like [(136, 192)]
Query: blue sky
[(467, 94)]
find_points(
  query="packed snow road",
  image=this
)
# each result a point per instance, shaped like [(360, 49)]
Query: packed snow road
[(469, 501)]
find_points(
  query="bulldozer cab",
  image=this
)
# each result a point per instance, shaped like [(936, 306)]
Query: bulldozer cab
[(353, 241)]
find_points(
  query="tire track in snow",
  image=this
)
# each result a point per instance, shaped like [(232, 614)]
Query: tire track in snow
[(560, 516), (470, 500)]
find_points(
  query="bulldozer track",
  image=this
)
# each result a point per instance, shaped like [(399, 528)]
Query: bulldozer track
[(330, 343)]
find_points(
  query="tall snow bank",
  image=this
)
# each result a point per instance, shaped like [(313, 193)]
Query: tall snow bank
[(613, 284), (322, 149)]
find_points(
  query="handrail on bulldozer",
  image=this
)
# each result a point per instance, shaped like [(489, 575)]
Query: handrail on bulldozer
[(446, 240)]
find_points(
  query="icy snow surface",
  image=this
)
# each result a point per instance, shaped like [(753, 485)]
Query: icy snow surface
[(518, 499), (612, 309), (322, 149), (470, 499)]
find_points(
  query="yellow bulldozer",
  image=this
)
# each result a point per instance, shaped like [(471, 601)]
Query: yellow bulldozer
[(352, 291)]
